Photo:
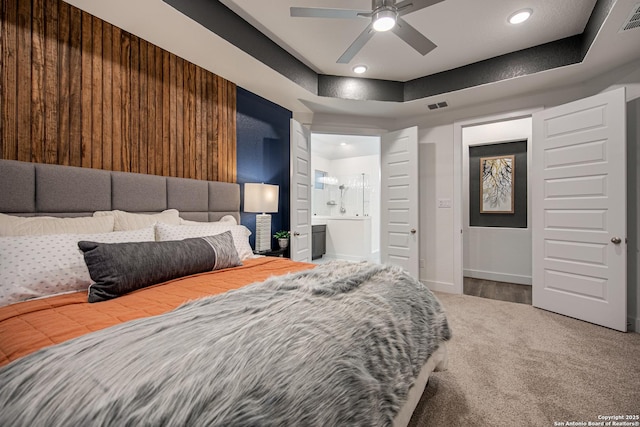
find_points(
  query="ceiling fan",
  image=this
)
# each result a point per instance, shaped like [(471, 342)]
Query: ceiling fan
[(385, 15)]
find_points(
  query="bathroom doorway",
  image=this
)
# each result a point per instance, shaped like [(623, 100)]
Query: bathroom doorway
[(345, 173)]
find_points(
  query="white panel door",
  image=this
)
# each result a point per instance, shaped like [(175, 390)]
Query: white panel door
[(399, 199), (300, 191), (579, 209)]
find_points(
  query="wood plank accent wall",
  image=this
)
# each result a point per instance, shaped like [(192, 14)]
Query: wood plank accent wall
[(75, 90)]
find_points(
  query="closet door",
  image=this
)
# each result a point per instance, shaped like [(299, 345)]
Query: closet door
[(300, 169), (399, 199), (579, 210)]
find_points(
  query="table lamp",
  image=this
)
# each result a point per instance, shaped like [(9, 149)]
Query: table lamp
[(262, 198)]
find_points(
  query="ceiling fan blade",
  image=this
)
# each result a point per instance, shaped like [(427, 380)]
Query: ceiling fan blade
[(358, 44), (413, 37), (314, 12), (408, 6)]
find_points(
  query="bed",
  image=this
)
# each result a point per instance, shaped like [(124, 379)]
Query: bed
[(259, 341)]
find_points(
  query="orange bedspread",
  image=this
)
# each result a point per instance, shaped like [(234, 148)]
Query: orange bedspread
[(31, 325)]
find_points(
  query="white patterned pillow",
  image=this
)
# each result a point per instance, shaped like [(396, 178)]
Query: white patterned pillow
[(134, 221), (37, 266), (39, 225), (240, 234)]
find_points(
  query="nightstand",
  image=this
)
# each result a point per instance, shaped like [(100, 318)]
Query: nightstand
[(282, 253)]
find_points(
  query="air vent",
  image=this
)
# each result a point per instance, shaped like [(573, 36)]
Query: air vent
[(438, 105), (633, 21)]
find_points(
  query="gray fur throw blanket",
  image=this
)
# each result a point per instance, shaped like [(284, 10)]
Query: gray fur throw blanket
[(338, 345)]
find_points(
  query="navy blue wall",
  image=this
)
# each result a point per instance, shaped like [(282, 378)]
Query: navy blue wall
[(263, 154)]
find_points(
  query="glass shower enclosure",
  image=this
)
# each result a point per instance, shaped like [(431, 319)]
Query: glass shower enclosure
[(342, 195)]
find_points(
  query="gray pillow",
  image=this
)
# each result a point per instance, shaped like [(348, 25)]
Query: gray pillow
[(119, 268)]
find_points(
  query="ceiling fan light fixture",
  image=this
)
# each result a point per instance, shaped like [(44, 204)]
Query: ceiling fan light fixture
[(359, 69), (520, 16), (384, 20)]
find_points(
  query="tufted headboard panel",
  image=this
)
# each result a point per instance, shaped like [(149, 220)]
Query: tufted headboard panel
[(35, 189)]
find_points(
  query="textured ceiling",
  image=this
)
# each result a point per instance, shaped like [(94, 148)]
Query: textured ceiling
[(465, 32), (334, 147), (612, 57)]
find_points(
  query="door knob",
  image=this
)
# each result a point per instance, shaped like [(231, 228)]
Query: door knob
[(413, 231), (616, 240), (296, 233)]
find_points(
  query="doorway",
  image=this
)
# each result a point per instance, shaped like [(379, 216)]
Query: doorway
[(486, 265), (497, 261), (579, 267), (345, 198)]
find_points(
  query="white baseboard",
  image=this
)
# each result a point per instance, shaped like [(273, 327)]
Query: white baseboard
[(345, 257), (498, 277), (439, 286)]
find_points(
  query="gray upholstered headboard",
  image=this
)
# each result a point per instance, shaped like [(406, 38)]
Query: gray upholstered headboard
[(34, 189)]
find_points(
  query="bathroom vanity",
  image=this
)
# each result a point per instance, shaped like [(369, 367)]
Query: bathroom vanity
[(347, 237), (318, 241)]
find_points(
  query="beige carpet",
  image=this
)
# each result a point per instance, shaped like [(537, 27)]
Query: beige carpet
[(514, 365)]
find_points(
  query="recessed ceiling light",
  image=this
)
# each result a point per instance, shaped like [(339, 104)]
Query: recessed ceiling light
[(359, 69), (343, 143), (520, 16)]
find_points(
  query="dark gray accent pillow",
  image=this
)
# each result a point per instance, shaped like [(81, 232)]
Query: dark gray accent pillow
[(119, 268)]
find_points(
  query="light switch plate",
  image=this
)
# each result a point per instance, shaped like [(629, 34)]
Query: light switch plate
[(444, 203)]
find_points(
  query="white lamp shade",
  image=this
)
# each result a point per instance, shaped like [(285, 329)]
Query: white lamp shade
[(260, 198)]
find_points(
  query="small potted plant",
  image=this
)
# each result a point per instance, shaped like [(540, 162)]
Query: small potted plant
[(283, 238)]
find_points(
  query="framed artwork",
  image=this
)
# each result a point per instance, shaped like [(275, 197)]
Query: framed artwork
[(497, 184)]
